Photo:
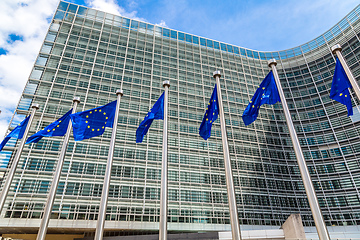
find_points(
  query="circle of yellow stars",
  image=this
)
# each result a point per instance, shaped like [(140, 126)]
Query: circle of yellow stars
[(93, 129)]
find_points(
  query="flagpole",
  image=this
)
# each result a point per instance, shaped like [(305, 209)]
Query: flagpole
[(336, 49), (56, 178), (305, 175), (11, 174), (234, 218), (164, 169), (106, 186)]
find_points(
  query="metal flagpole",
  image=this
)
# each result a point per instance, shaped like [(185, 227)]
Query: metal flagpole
[(56, 178), (164, 169), (309, 188), (337, 50), (234, 219), (106, 186), (11, 174)]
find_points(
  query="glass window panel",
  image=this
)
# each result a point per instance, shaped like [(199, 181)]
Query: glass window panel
[(166, 32), (262, 56), (126, 22), (50, 37), (242, 51), (249, 53), (223, 46), (59, 15), (46, 48), (72, 8), (188, 38), (181, 36), (216, 45), (202, 42), (328, 36), (63, 6), (236, 50), (195, 40), (36, 74), (173, 34), (210, 43), (134, 24), (82, 11), (41, 61)]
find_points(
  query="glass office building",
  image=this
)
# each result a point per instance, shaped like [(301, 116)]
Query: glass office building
[(89, 54)]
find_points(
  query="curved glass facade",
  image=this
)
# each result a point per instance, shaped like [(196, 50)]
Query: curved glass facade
[(90, 54)]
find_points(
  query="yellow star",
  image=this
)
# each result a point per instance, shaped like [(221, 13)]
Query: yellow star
[(60, 121), (57, 126), (98, 129), (345, 95), (207, 119), (54, 129), (105, 122), (341, 94), (90, 112), (208, 103), (95, 110), (253, 106), (88, 126), (86, 121), (92, 129), (214, 100), (104, 113), (87, 116), (213, 113), (210, 121), (102, 127), (106, 118), (48, 130), (263, 88), (99, 110), (250, 101)]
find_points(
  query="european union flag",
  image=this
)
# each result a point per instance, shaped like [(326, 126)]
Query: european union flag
[(340, 87), (57, 128), (267, 93), (211, 114), (17, 132), (92, 123), (156, 112)]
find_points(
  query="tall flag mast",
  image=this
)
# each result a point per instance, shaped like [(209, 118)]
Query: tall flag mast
[(106, 186), (234, 218), (305, 175), (164, 169), (51, 197), (11, 174)]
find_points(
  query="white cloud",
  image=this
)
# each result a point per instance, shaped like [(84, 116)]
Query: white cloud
[(162, 24), (110, 6)]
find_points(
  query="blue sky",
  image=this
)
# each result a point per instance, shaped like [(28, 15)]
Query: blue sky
[(256, 24)]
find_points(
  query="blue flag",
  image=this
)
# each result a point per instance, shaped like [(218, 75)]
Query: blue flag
[(340, 87), (267, 93), (57, 128), (156, 112), (211, 114), (17, 132), (92, 123)]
